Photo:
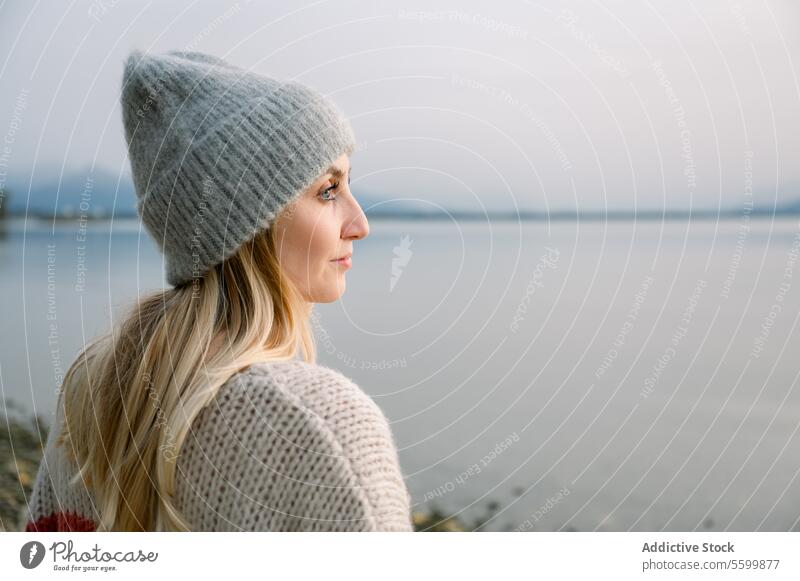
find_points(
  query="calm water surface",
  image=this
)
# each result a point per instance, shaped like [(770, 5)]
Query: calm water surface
[(608, 376)]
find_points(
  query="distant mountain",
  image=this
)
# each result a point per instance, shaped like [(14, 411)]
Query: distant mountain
[(86, 192), (790, 207), (93, 193), (98, 193)]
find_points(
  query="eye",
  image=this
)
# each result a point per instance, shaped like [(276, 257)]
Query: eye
[(328, 191)]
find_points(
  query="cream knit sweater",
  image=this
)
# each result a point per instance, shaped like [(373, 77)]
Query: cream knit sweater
[(285, 446)]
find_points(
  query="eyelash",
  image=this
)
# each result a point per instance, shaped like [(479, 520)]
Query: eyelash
[(331, 188), (326, 190)]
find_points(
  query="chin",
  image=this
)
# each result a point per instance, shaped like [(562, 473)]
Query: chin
[(330, 296)]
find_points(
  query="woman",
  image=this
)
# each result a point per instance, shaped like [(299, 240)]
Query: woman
[(196, 414)]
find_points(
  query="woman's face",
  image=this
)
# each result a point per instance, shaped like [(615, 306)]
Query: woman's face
[(318, 228)]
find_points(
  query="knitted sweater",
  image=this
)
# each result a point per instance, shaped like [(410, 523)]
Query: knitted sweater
[(284, 446)]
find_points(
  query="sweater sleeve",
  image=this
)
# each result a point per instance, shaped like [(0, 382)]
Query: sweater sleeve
[(292, 448)]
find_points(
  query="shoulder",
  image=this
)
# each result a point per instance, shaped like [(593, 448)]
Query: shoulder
[(302, 448), (296, 397), (322, 397), (320, 391), (295, 374)]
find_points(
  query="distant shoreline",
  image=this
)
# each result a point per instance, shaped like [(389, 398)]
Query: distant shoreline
[(556, 216)]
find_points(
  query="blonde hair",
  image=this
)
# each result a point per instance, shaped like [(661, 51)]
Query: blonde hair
[(130, 397)]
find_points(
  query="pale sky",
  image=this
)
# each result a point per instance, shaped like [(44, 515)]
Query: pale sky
[(457, 104)]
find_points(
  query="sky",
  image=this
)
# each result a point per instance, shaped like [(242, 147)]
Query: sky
[(465, 105)]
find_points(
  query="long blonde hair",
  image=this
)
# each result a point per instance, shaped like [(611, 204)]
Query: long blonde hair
[(130, 397)]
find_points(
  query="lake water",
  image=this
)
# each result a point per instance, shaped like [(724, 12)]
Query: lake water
[(591, 376)]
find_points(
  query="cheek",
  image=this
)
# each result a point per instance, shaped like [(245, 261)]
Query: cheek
[(323, 245), (316, 238)]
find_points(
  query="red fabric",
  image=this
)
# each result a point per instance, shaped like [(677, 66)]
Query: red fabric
[(60, 522)]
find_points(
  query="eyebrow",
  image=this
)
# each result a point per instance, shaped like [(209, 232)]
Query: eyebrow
[(337, 172)]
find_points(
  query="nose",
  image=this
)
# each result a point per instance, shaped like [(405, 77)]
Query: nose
[(355, 225)]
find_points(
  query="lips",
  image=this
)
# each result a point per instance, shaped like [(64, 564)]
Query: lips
[(344, 261)]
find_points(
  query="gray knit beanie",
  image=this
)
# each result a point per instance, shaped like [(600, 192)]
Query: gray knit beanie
[(217, 152)]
